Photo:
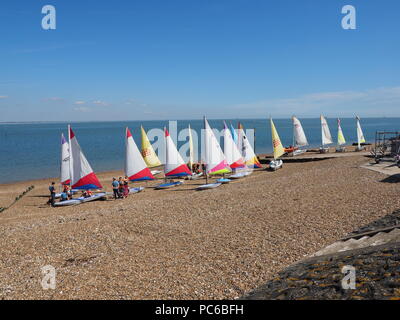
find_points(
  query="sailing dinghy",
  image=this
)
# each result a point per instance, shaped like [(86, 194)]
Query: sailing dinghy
[(135, 167), (341, 141), (231, 151), (81, 174), (148, 153), (174, 166), (360, 135), (247, 151), (279, 150), (326, 135), (64, 174), (299, 137), (97, 196), (214, 158)]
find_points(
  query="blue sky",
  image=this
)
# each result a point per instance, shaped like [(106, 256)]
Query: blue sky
[(180, 59)]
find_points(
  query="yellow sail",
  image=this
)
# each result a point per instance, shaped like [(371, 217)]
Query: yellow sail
[(149, 156), (340, 139), (279, 150)]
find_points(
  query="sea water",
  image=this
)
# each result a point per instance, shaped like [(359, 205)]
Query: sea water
[(32, 150)]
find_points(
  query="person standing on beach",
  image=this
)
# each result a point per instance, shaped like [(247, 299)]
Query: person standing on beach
[(52, 190), (115, 186), (121, 187)]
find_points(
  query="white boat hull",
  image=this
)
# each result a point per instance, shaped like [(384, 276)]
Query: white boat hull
[(208, 186)]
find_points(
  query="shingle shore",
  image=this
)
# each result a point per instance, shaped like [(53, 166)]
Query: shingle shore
[(377, 275), (183, 244)]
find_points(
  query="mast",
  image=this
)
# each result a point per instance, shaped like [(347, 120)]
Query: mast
[(205, 150), (166, 153), (294, 139), (322, 134), (70, 156)]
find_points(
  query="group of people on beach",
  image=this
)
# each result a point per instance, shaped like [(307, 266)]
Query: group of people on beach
[(120, 187), (66, 194), (198, 167)]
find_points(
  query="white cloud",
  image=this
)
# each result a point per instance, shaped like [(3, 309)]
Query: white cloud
[(3, 97), (82, 109), (345, 103), (79, 102), (100, 103), (53, 99)]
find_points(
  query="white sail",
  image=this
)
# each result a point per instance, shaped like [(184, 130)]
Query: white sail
[(247, 150), (326, 133), (299, 135), (360, 134), (65, 176), (174, 164), (214, 157), (82, 175), (231, 151), (135, 167)]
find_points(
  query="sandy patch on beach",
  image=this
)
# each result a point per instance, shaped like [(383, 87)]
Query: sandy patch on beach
[(184, 244)]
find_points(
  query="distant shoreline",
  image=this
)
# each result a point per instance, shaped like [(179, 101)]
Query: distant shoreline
[(199, 119)]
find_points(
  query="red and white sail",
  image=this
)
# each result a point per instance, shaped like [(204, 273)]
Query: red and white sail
[(231, 151), (174, 164), (65, 177), (135, 167), (214, 157), (81, 173)]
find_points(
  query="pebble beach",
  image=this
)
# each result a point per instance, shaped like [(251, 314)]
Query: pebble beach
[(181, 243)]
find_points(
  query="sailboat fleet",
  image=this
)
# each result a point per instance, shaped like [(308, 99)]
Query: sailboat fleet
[(237, 158)]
